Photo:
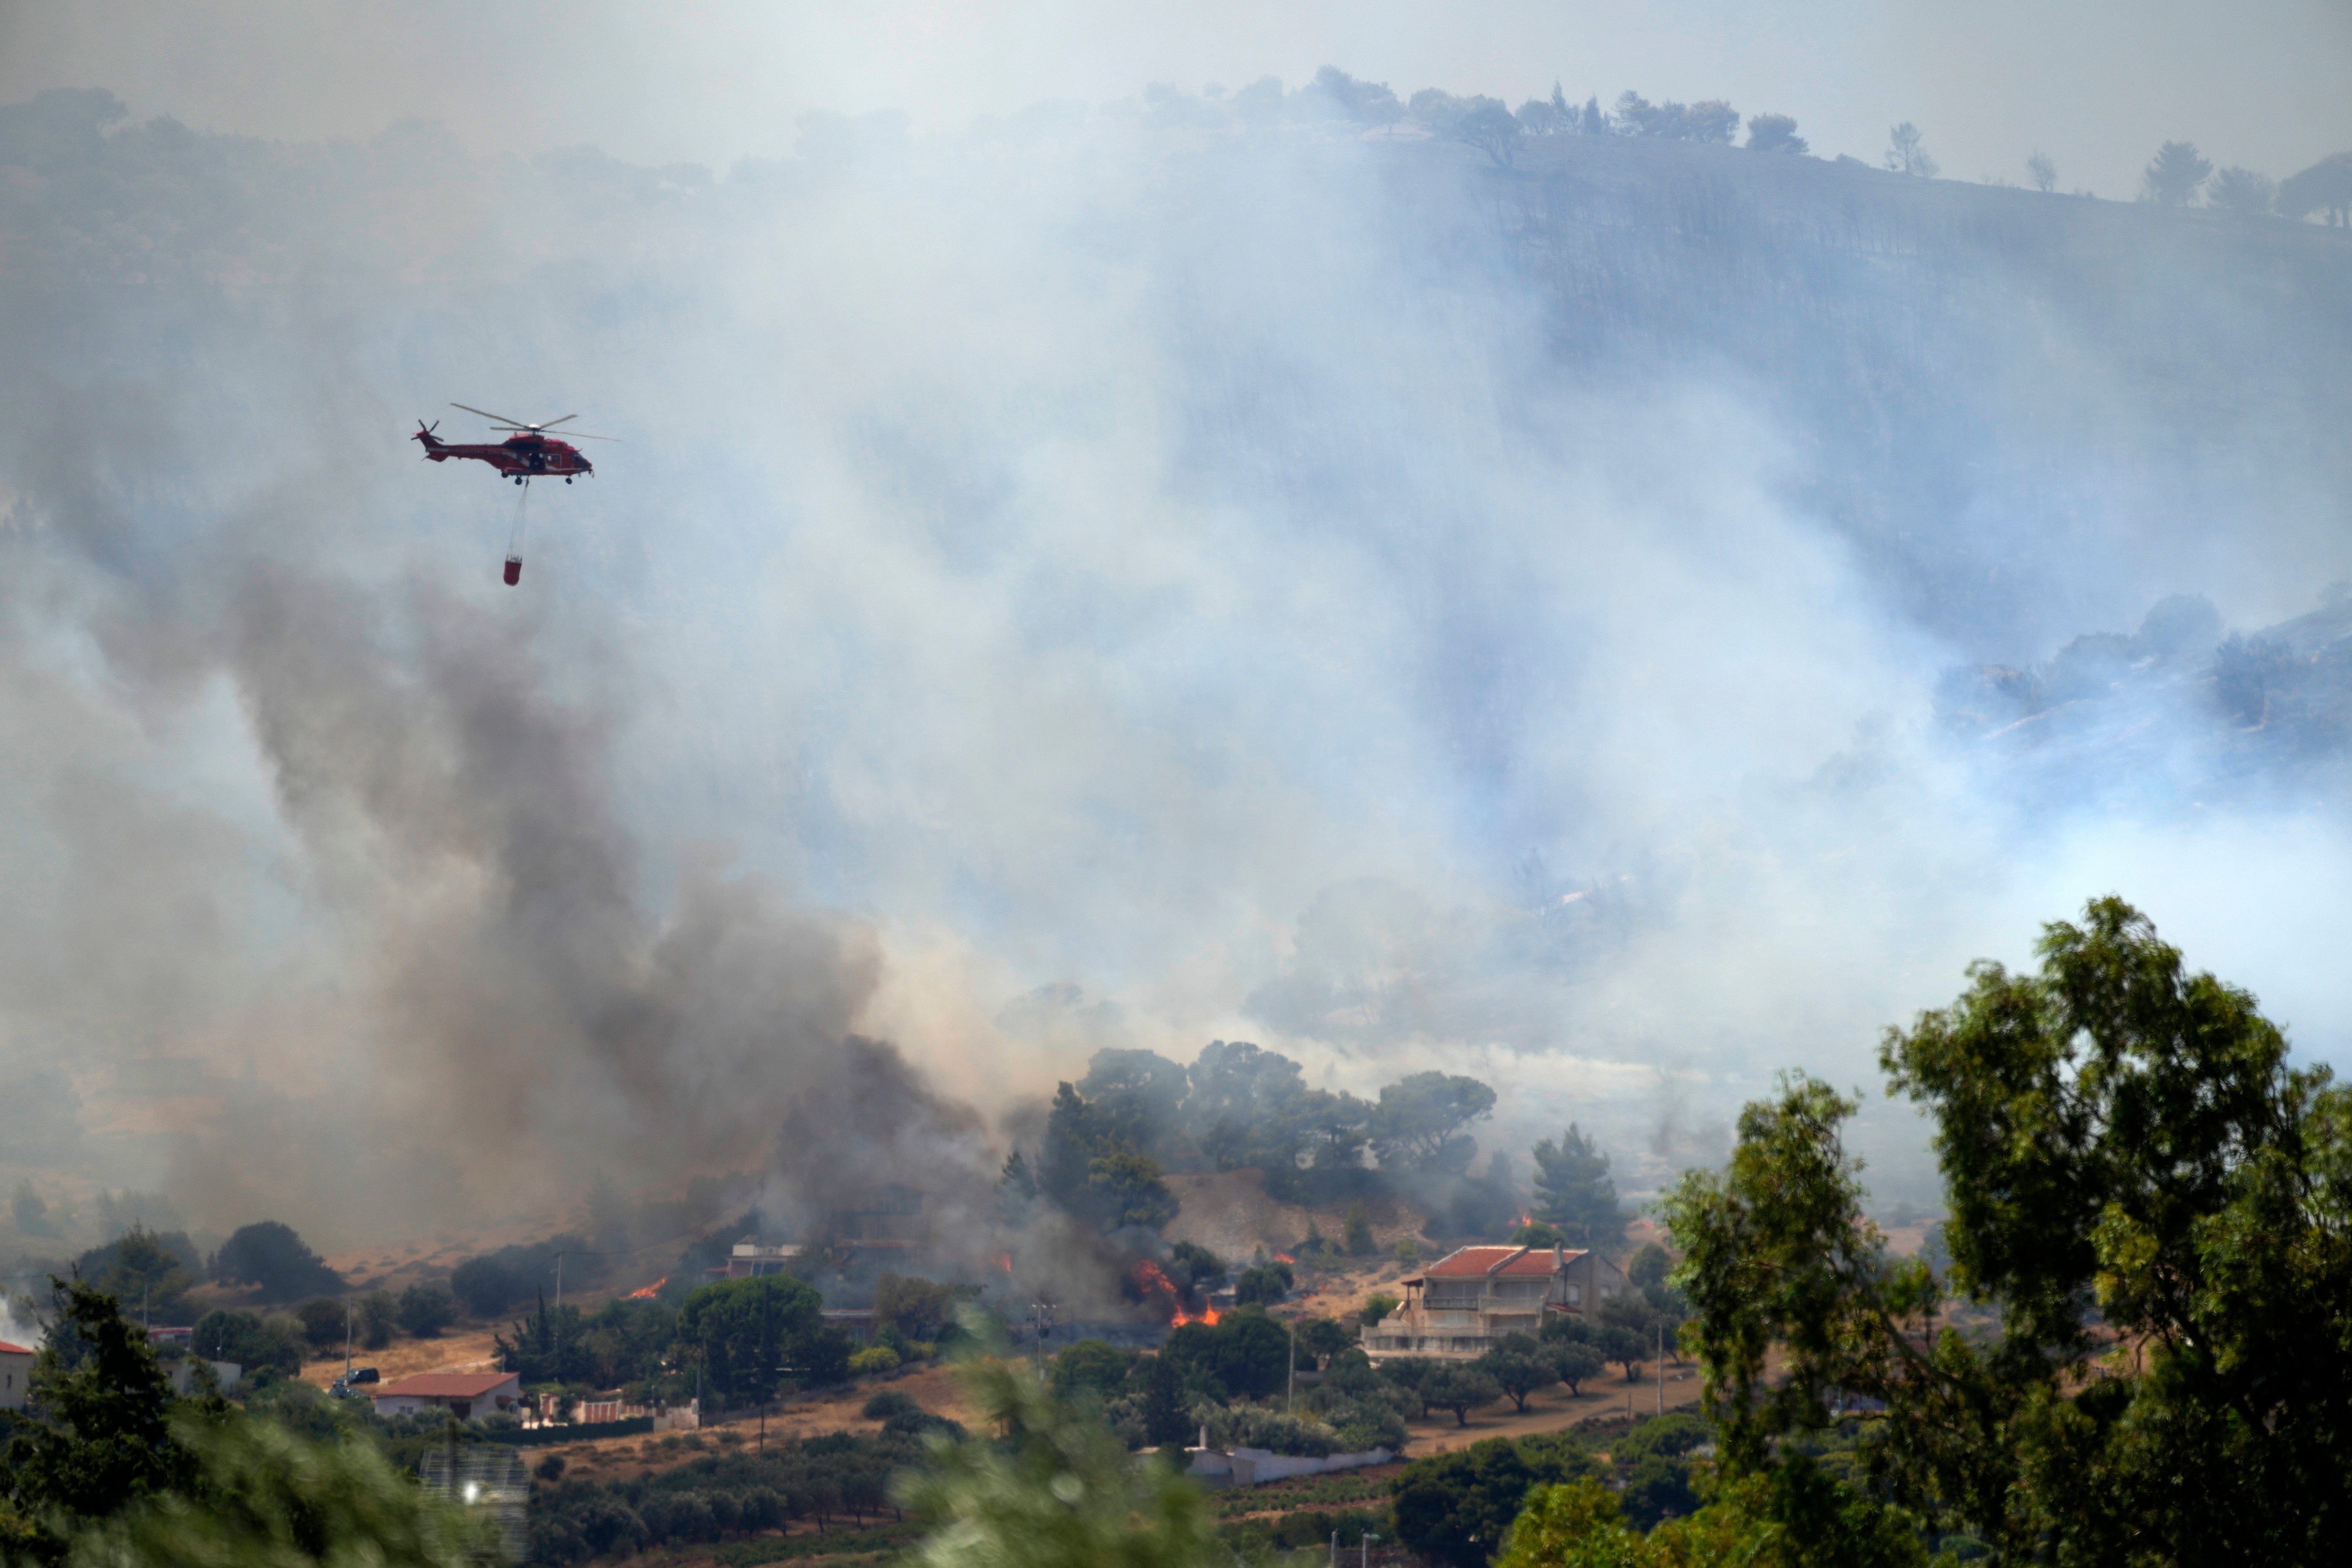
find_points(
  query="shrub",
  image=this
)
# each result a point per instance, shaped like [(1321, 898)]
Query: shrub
[(873, 1358), (252, 1342), (1264, 1283), (1091, 1364), (890, 1403), (1377, 1308)]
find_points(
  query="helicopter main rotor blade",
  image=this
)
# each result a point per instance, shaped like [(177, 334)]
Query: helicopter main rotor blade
[(494, 418), (553, 423), (566, 436)]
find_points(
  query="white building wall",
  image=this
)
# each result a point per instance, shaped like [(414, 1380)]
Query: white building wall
[(15, 1379)]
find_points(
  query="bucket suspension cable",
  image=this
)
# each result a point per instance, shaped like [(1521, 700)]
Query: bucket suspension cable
[(514, 536)]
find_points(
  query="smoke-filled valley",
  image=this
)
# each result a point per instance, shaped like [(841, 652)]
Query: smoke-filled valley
[(1613, 622)]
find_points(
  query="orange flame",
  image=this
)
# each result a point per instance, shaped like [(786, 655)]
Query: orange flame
[(1152, 1280), (1284, 1257), (1524, 1219), (648, 1292), (1208, 1316), (1002, 1260)]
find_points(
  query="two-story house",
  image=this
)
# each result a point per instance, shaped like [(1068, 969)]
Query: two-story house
[(1458, 1306)]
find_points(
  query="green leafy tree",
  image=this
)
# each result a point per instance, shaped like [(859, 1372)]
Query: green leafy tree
[(1125, 1189), (2175, 174), (425, 1311), (1457, 1508), (272, 1258), (1519, 1367), (485, 1286), (322, 1322), (750, 1335), (1650, 1265), (256, 1493), (1574, 1191), (379, 1315), (1051, 1489), (251, 1340), (1264, 1283), (150, 1273), (1166, 1417), (2112, 1131), (1573, 1362), (1358, 1235), (1246, 1355), (2042, 171), (1460, 1389), (1090, 1363), (1378, 1306), (915, 1307), (99, 1442), (1420, 1122), (1323, 1338), (1798, 1518)]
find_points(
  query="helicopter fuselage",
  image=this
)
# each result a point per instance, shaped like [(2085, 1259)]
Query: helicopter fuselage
[(518, 456)]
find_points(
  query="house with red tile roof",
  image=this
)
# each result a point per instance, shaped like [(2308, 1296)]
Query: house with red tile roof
[(467, 1396), (1457, 1308), (15, 1375)]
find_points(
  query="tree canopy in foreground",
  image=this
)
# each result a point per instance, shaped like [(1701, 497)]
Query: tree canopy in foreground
[(2156, 1207)]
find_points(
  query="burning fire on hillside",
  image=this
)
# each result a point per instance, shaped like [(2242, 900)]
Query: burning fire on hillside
[(1150, 1283), (648, 1293)]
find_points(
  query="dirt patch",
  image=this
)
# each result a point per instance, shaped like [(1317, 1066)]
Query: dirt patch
[(935, 1388), (467, 1350), (1604, 1401)]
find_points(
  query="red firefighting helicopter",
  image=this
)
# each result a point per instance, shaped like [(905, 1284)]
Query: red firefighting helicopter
[(530, 453)]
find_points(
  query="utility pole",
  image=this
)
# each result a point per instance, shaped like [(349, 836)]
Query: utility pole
[(1662, 1366), (1366, 1543), (559, 1282), (1290, 1389), (347, 1342), (1041, 1319)]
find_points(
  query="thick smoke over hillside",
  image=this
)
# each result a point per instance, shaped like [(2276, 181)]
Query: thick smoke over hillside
[(1268, 584)]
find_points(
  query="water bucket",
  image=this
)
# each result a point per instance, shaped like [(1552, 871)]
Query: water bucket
[(514, 570)]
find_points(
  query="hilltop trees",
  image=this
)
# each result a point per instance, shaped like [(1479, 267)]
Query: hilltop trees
[(2324, 188), (1774, 134), (1906, 155), (2042, 171), (2112, 1131), (148, 1273), (270, 1256), (2175, 174), (2242, 193), (1108, 1136)]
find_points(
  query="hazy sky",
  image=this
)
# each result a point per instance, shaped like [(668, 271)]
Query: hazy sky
[(2097, 84), (1193, 577)]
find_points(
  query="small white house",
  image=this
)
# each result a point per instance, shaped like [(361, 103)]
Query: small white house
[(16, 1375), (467, 1396)]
